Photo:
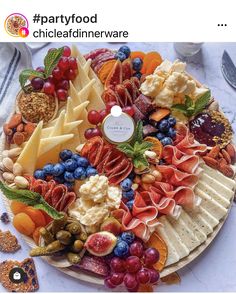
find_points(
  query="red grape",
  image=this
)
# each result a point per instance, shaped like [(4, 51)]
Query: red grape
[(37, 83), (136, 249), (154, 276), (129, 110), (130, 281), (63, 84), (70, 74), (97, 132), (103, 114), (73, 63), (117, 265), (63, 63), (40, 69), (109, 105), (48, 88), (143, 276), (151, 256), (92, 132), (66, 51), (117, 278), (133, 264), (108, 283), (94, 117), (57, 73), (62, 94)]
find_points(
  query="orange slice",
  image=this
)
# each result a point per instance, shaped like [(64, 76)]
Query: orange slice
[(156, 242), (137, 54), (157, 146), (159, 114)]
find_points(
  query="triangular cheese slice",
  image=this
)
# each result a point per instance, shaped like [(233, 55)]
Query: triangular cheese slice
[(82, 95), (69, 117), (58, 128), (29, 154), (86, 66), (67, 129)]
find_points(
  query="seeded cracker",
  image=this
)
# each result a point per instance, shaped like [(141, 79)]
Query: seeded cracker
[(8, 242), (30, 283)]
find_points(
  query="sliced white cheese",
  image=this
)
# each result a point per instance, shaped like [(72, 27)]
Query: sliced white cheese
[(223, 190), (86, 66), (80, 110), (212, 194), (185, 233), (67, 129), (29, 154), (194, 227), (58, 128), (203, 224), (213, 207), (208, 217), (173, 236), (69, 116)]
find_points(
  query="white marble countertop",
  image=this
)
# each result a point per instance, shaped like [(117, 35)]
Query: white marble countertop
[(215, 269)]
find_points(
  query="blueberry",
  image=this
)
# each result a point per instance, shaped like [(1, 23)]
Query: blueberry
[(164, 125), (137, 74), (172, 121), (130, 204), (82, 161), (65, 154), (121, 249), (90, 171), (40, 174), (69, 185), (70, 165), (126, 50), (5, 218), (171, 133), (131, 176), (137, 64), (120, 55), (80, 173), (75, 157), (166, 141), (60, 179), (160, 136), (48, 169), (128, 237), (69, 177), (126, 184), (129, 195), (58, 169)]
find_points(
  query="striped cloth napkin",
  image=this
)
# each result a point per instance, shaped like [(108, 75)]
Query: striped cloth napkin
[(13, 58)]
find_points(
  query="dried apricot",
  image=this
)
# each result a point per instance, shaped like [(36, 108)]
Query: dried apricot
[(36, 216), (17, 207), (23, 224), (157, 146), (105, 70), (137, 54), (159, 114), (156, 242), (150, 68), (149, 57), (36, 235), (48, 219)]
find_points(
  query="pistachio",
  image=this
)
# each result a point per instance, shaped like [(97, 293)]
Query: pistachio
[(8, 177), (14, 152), (2, 168), (148, 179), (150, 154), (157, 175), (21, 182), (5, 153), (17, 169), (8, 163)]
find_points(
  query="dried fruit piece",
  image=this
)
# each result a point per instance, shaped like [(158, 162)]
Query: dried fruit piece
[(115, 76), (105, 70), (210, 161), (137, 54), (214, 152), (159, 114), (148, 59), (24, 224), (171, 279), (156, 242), (17, 207), (36, 216), (150, 68), (100, 244), (157, 146), (126, 69)]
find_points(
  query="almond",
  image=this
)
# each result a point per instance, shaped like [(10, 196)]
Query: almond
[(226, 156), (15, 120), (226, 170), (18, 138), (7, 130), (232, 153), (29, 128), (214, 152), (20, 128), (222, 161), (211, 161)]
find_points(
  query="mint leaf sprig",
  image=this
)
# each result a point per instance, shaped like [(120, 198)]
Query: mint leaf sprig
[(191, 108), (50, 62), (137, 147), (30, 198)]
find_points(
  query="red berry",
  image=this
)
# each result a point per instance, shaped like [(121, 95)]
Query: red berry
[(63, 63), (63, 84), (40, 69), (133, 264), (117, 265), (108, 283), (154, 276), (92, 132), (151, 256), (129, 110), (143, 276), (97, 132), (117, 278), (136, 249), (73, 63), (103, 114), (57, 73), (70, 74), (94, 117), (109, 105), (37, 83), (66, 51), (61, 94), (130, 281), (48, 88)]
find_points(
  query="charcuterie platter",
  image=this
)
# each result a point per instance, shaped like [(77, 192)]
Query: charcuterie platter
[(117, 166)]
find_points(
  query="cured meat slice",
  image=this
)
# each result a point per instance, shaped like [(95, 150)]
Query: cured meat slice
[(93, 54)]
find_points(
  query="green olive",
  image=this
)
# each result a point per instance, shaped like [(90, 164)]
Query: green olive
[(73, 257), (46, 235), (64, 237), (55, 246), (74, 228), (82, 236), (77, 246)]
